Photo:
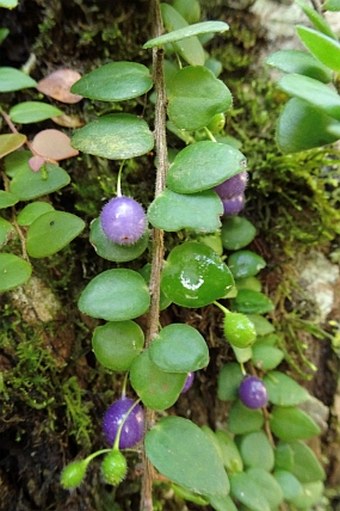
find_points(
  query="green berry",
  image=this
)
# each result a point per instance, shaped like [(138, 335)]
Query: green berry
[(239, 330), (73, 474), (114, 467)]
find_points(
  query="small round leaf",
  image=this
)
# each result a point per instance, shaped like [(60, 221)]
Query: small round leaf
[(256, 450), (5, 230), (7, 199), (248, 301), (10, 142), (228, 381), (32, 211), (243, 420), (283, 390), (246, 491), (28, 185), (14, 271), (237, 232), (245, 263)]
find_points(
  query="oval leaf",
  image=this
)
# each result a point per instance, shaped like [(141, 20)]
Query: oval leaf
[(306, 467), (203, 165), (290, 423), (115, 136), (243, 420), (246, 491), (195, 96), (51, 232), (230, 454), (10, 142), (256, 450), (290, 485), (157, 389), (117, 344), (172, 212), (324, 48), (301, 62), (268, 485), (176, 447), (7, 199), (5, 231), (115, 295), (14, 271), (12, 79), (245, 263), (111, 251), (237, 232), (248, 301), (53, 144), (57, 85), (33, 111), (32, 211), (179, 348), (228, 382), (115, 81), (28, 185), (205, 27), (283, 390), (194, 275), (266, 357)]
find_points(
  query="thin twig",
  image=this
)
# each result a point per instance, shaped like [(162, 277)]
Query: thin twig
[(146, 502)]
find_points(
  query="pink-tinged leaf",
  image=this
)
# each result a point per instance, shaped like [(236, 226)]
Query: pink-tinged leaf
[(53, 145), (36, 162), (57, 85), (68, 121)]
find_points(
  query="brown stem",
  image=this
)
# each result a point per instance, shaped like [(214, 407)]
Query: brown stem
[(146, 503)]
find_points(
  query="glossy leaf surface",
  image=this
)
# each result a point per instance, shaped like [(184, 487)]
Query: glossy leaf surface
[(317, 19), (195, 96), (179, 348), (28, 185), (157, 389), (115, 136), (324, 48), (33, 111), (115, 81), (301, 62), (203, 165), (290, 423), (14, 271), (248, 301), (12, 79), (172, 212), (176, 447), (10, 142), (266, 357), (245, 263), (194, 275), (51, 232), (115, 295), (237, 232), (112, 251)]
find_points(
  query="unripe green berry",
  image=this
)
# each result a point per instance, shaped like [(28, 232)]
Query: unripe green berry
[(73, 474), (114, 467), (239, 330)]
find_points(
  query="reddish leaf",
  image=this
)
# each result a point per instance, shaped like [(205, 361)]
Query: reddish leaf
[(53, 145), (57, 85)]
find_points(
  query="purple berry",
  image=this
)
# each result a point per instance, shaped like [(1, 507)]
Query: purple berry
[(233, 186), (188, 382), (234, 205), (123, 220), (133, 429), (252, 392)]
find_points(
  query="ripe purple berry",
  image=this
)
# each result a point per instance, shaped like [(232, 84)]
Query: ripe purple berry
[(188, 382), (252, 392), (234, 205), (233, 186), (133, 428), (123, 220)]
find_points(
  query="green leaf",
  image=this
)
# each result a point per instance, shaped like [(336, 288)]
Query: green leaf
[(228, 381), (5, 230), (248, 301), (7, 199), (318, 94), (290, 423), (256, 450), (115, 81), (33, 111), (111, 251), (117, 344), (157, 389), (171, 211), (301, 62), (324, 48), (306, 467), (268, 485), (251, 283), (28, 185), (188, 495), (284, 456), (246, 491), (195, 95), (3, 34), (189, 9), (290, 485), (115, 136), (283, 390), (10, 142), (189, 48), (203, 165), (14, 272), (261, 324), (302, 127), (145, 271), (237, 232), (242, 420), (176, 447), (245, 263), (266, 357), (222, 503), (311, 495), (318, 20), (194, 275), (230, 454), (32, 211), (332, 5), (15, 162), (51, 232), (8, 4), (12, 79), (115, 295), (179, 348), (205, 27)]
